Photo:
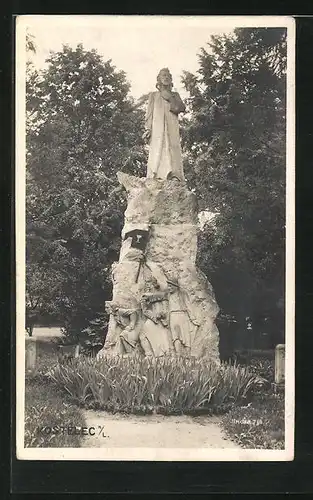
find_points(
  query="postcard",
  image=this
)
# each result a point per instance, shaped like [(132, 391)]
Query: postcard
[(155, 235)]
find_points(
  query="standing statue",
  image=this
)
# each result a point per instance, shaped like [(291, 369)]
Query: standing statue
[(182, 323), (155, 336), (162, 128), (126, 325)]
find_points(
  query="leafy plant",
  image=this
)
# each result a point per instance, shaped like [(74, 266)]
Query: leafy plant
[(165, 385)]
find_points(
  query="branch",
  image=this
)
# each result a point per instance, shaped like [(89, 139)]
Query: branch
[(278, 153), (36, 304), (140, 102)]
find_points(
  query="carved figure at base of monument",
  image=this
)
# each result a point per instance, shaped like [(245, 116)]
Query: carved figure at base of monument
[(155, 336), (125, 326), (182, 324)]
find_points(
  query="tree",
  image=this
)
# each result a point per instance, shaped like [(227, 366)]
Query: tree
[(81, 129), (30, 43), (234, 143), (43, 292)]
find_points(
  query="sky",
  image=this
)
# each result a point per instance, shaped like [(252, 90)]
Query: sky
[(139, 45)]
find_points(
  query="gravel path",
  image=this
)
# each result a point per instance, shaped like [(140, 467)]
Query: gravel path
[(155, 431)]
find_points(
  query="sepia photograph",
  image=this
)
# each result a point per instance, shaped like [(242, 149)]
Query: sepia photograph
[(155, 164)]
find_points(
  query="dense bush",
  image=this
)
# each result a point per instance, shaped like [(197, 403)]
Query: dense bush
[(261, 364), (145, 385), (245, 356), (265, 368)]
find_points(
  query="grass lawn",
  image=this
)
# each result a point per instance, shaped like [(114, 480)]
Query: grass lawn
[(51, 420), (261, 423)]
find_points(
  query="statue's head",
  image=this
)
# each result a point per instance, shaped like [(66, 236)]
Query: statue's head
[(111, 307), (151, 284), (164, 79)]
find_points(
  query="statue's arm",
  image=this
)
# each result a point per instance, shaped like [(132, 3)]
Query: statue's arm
[(177, 105), (157, 296), (146, 311)]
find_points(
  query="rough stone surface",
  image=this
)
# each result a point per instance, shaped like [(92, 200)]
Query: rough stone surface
[(158, 283), (171, 244), (174, 204), (156, 201)]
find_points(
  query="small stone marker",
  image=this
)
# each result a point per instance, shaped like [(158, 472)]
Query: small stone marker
[(30, 353), (69, 351), (280, 364)]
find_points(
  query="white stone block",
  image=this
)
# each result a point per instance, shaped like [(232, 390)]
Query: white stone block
[(280, 364), (30, 353)]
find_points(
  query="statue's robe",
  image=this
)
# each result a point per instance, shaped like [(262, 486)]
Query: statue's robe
[(165, 155)]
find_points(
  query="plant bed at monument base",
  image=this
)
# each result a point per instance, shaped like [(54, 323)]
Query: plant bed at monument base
[(258, 425), (166, 385)]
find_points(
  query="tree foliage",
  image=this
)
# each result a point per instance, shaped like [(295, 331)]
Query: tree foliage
[(81, 129), (234, 140)]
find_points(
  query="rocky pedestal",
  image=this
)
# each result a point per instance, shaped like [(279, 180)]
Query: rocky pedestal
[(161, 302)]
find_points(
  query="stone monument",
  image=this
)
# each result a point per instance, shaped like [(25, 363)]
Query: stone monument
[(161, 304)]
